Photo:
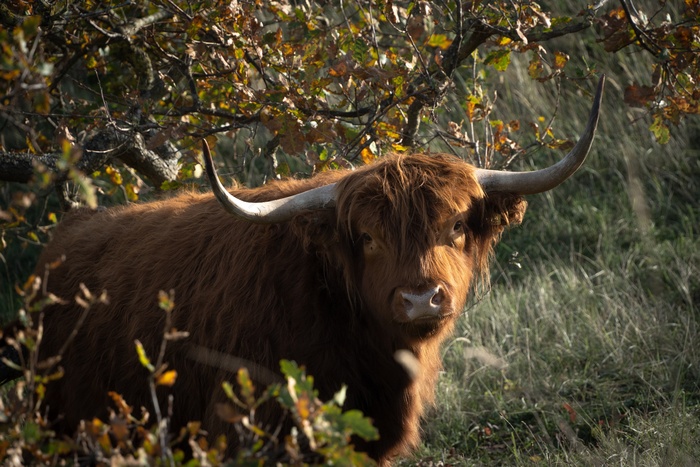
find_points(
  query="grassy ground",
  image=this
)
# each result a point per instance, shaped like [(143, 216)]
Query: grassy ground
[(586, 352)]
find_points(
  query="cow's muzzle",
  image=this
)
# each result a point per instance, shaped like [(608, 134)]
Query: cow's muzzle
[(426, 304)]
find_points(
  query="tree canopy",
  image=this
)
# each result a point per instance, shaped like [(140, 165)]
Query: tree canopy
[(327, 82), (113, 97)]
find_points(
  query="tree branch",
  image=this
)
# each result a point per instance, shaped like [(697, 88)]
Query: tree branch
[(459, 51), (643, 38), (158, 166), (540, 36), (137, 24)]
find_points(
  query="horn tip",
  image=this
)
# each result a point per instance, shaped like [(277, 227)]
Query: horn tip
[(208, 161), (600, 88)]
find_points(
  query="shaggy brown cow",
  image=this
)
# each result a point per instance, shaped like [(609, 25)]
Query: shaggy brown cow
[(360, 265)]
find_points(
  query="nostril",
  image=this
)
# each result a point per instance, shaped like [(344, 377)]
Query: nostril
[(407, 304)]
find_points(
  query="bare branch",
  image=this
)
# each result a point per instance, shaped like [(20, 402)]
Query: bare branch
[(540, 36), (158, 166), (139, 23), (633, 17)]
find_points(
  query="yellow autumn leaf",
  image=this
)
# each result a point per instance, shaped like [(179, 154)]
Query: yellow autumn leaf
[(367, 156), (303, 405), (388, 130), (167, 379), (503, 40), (143, 358), (114, 175), (560, 60), (105, 443), (439, 40), (40, 391), (95, 426), (90, 62), (132, 192), (30, 146)]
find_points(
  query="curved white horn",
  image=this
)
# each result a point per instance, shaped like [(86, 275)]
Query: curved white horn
[(267, 212), (538, 181)]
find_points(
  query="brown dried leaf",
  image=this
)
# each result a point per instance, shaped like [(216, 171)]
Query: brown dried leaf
[(228, 413), (638, 95), (119, 427), (121, 404), (415, 27)]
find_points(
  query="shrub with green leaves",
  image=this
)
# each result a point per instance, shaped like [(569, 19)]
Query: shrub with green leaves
[(322, 432)]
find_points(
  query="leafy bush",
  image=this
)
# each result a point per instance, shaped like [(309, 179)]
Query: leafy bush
[(322, 433)]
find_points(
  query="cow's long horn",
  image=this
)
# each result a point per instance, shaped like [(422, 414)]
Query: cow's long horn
[(267, 212), (528, 183)]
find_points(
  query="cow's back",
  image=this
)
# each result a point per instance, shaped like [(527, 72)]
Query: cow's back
[(214, 264)]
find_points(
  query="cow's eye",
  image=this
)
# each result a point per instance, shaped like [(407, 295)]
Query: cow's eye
[(368, 243), (456, 237)]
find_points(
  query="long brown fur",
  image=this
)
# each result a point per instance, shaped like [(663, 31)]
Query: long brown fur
[(311, 290)]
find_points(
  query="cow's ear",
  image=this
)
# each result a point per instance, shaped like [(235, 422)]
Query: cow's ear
[(503, 209), (490, 216), (317, 228)]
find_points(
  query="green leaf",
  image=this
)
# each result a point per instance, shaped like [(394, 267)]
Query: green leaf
[(398, 82), (323, 156), (258, 446), (31, 433), (284, 170), (290, 369), (247, 387), (409, 9), (535, 69), (301, 384), (660, 130), (347, 456), (30, 26), (86, 188), (339, 397), (499, 59), (168, 185), (228, 390), (299, 14), (360, 50), (360, 425)]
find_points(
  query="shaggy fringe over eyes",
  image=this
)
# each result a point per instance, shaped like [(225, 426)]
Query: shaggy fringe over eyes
[(406, 196)]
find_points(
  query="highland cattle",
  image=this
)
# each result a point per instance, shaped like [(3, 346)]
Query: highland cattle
[(337, 272)]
